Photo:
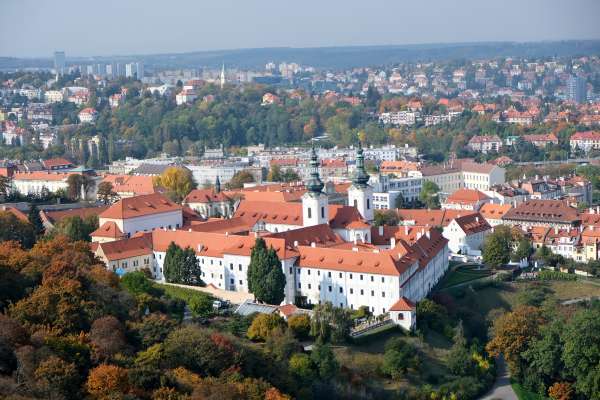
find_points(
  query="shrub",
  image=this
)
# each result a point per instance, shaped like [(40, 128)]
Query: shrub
[(263, 325), (399, 356), (300, 325)]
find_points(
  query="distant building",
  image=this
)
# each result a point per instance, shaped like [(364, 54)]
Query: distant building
[(59, 62), (485, 144), (585, 141), (87, 115), (576, 89)]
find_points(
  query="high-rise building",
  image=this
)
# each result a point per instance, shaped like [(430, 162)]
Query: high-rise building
[(129, 70), (222, 77), (59, 62), (576, 89), (139, 70)]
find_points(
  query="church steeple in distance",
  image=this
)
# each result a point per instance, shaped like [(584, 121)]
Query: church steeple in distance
[(222, 75), (361, 178), (314, 183), (217, 185)]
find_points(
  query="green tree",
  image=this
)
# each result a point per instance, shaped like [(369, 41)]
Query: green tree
[(5, 186), (172, 267), (330, 323), (399, 202), (581, 353), (35, 220), (497, 247), (323, 358), (76, 228), (274, 174), (543, 358), (191, 274), (12, 228), (429, 195), (106, 193), (137, 283), (266, 280), (78, 185), (385, 218), (301, 366), (399, 356), (523, 250), (459, 359)]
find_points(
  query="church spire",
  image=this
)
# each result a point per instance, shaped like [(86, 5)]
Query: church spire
[(217, 185), (222, 75), (360, 177), (314, 184)]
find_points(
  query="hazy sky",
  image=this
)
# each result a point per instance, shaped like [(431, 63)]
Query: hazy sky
[(110, 27)]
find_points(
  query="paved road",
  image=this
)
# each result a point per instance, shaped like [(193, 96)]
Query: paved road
[(502, 388)]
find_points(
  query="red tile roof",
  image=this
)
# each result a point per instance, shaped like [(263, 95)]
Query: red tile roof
[(403, 304), (430, 217), (473, 223), (56, 216), (126, 248), (56, 162), (205, 196), (139, 206), (464, 196), (108, 230)]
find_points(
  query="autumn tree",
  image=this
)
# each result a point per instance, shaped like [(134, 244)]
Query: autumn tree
[(239, 178), (178, 181), (299, 324), (262, 326), (561, 391), (512, 334), (107, 382), (57, 379), (107, 336), (106, 193), (266, 280), (330, 323)]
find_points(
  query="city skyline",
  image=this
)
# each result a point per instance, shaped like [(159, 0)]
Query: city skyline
[(188, 27)]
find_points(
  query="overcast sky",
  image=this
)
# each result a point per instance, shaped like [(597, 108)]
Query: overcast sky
[(110, 27)]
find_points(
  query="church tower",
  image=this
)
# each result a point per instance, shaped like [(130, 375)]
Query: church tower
[(315, 205), (360, 194), (222, 77)]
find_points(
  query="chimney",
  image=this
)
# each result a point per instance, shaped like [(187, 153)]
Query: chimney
[(428, 234), (355, 249), (477, 219), (406, 230), (556, 230), (199, 247), (255, 234), (380, 230), (190, 229), (393, 242), (355, 240), (226, 233), (295, 243), (313, 244)]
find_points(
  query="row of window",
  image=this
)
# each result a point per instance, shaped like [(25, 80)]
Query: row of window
[(341, 290), (341, 274)]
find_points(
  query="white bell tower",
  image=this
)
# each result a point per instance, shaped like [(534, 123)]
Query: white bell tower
[(360, 194), (315, 204)]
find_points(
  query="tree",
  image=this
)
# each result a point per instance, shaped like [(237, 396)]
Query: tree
[(107, 382), (35, 220), (429, 195), (76, 228), (385, 218), (173, 264), (78, 186), (497, 246), (274, 174), (153, 329), (561, 391), (459, 359), (107, 336), (399, 202), (178, 182), (263, 325), (512, 334), (137, 283), (239, 178), (399, 356), (330, 323), (57, 378), (581, 352), (191, 274), (12, 228), (373, 96), (301, 366), (106, 193), (523, 250), (544, 363), (324, 359), (289, 175), (5, 187), (299, 324), (266, 280)]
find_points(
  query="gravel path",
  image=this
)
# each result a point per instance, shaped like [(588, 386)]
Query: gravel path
[(502, 388)]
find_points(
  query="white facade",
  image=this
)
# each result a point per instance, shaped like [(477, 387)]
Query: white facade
[(53, 96), (315, 209), (362, 199), (146, 223), (461, 242)]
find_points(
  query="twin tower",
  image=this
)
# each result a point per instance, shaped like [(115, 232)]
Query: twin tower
[(315, 204)]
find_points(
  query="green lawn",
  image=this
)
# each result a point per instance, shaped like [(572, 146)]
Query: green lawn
[(461, 274), (524, 394)]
